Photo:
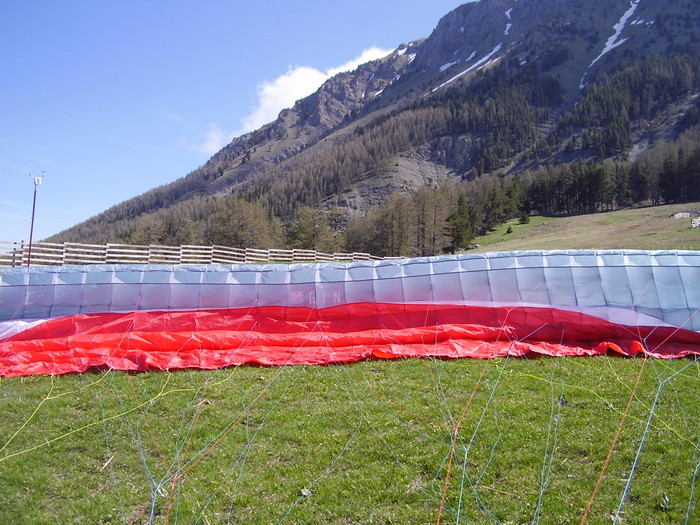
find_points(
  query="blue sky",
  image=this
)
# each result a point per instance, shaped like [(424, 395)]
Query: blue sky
[(112, 98)]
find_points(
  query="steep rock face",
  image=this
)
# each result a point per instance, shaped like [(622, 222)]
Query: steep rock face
[(349, 92), (310, 118), (465, 35)]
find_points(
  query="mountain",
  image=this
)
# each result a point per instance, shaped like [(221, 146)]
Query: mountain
[(500, 87)]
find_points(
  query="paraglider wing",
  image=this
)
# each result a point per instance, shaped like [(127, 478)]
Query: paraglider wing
[(137, 317)]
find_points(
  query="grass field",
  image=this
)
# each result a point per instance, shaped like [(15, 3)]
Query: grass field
[(650, 228), (511, 440), (506, 440)]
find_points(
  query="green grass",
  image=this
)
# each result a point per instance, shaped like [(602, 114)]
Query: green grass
[(641, 228), (364, 443)]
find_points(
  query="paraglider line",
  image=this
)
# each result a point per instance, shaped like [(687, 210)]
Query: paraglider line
[(474, 486), (614, 443), (453, 445), (642, 442), (207, 449), (553, 428)]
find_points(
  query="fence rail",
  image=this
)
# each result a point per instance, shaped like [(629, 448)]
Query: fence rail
[(46, 253)]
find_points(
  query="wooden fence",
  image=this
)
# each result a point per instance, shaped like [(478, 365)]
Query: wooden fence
[(45, 253)]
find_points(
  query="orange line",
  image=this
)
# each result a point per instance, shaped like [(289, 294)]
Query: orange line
[(612, 447), (454, 444)]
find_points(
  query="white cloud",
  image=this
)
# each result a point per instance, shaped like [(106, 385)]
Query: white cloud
[(214, 140), (373, 53), (282, 93), (296, 83)]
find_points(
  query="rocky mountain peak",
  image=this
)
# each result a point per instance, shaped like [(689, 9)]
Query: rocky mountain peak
[(348, 92), (468, 32)]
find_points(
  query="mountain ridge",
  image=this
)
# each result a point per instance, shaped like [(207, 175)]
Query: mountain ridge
[(515, 70)]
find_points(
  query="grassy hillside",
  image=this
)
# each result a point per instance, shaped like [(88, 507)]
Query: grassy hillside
[(650, 228)]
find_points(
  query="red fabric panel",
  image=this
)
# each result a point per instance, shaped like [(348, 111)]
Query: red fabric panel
[(297, 335)]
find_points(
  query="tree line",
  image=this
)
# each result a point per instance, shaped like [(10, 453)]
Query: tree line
[(448, 219)]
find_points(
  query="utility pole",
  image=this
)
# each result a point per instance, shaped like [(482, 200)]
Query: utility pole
[(37, 182)]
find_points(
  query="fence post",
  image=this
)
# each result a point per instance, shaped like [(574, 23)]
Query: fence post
[(21, 254)]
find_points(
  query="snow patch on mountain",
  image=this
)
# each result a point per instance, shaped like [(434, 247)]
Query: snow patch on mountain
[(486, 60), (614, 40)]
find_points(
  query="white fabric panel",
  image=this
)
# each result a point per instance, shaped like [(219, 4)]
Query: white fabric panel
[(330, 289), (240, 296), (682, 317), (269, 294), (193, 276), (246, 275), (616, 286), (504, 286), (393, 268), (413, 268), (39, 300), (156, 296), (97, 297), (125, 297), (414, 289), (282, 276), (330, 294), (360, 286), (643, 288), (359, 291), (670, 287), (181, 295), (690, 278), (446, 288), (587, 286), (66, 295), (39, 278), (391, 290), (560, 286), (212, 296), (274, 288), (446, 265), (130, 274), (385, 283), (14, 277), (531, 280), (475, 281)]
